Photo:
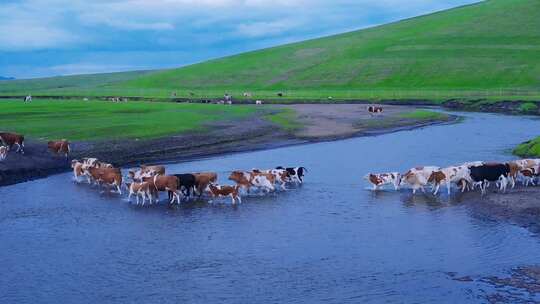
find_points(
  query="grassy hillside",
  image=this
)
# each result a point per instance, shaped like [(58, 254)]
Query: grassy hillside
[(486, 50), (70, 85)]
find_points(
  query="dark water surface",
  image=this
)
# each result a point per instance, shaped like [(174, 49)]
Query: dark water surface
[(329, 241)]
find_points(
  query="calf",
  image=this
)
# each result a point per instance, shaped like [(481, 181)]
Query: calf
[(418, 177), (457, 174), (379, 180), (296, 174), (3, 152), (221, 191), (61, 146), (490, 173), (108, 176), (11, 139), (140, 190)]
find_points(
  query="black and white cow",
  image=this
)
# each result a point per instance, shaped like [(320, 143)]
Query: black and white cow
[(484, 174), (296, 174)]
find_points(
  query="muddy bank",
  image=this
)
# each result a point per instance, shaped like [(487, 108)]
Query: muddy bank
[(226, 137), (319, 122), (338, 121), (520, 206)]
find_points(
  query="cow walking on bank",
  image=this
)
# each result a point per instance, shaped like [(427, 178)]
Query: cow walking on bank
[(10, 139)]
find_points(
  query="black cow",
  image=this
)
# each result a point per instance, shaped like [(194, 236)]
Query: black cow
[(186, 183), (295, 174), (490, 173)]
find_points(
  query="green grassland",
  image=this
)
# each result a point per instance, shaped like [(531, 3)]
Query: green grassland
[(529, 149), (91, 120), (488, 51)]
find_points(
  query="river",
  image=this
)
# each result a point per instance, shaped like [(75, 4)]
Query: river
[(330, 241)]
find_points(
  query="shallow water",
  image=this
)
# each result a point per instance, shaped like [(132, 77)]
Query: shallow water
[(328, 241)]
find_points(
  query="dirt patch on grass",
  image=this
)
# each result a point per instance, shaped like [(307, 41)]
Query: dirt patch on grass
[(335, 121)]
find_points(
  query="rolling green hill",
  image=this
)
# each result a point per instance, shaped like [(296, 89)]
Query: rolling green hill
[(490, 50)]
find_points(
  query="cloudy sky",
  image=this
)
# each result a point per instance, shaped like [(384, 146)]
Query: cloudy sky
[(62, 37)]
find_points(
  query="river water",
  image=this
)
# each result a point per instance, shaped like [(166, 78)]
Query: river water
[(330, 241)]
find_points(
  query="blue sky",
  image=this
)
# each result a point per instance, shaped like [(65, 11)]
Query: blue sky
[(63, 37)]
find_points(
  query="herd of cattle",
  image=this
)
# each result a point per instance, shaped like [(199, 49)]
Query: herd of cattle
[(10, 140), (468, 176), (148, 181)]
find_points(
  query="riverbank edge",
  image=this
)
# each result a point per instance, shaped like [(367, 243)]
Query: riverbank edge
[(506, 106), (264, 137)]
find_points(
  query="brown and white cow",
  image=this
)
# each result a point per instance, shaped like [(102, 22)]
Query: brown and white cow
[(3, 152), (78, 169), (140, 190), (203, 179), (222, 191), (264, 181), (528, 176), (281, 176), (418, 177), (381, 179), (450, 175), (167, 183), (60, 147), (108, 176), (10, 139)]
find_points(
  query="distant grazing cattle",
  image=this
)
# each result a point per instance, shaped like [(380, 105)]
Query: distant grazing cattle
[(492, 172), (3, 152), (28, 98), (379, 180), (296, 174), (60, 146), (221, 191), (280, 94), (258, 102), (247, 94), (374, 110), (11, 139)]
